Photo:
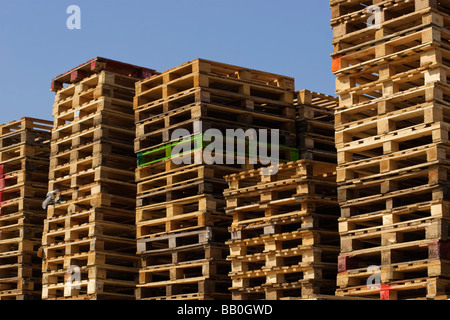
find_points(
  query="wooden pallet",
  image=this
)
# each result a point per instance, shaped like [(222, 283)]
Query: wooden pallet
[(200, 72), (16, 295), (161, 137), (289, 170), (394, 141), (19, 278), (324, 218), (416, 69), (25, 164), (15, 179), (157, 165), (24, 124), (17, 152), (396, 257), (393, 272), (293, 180), (214, 102), (273, 263), (24, 136), (101, 250), (99, 175), (317, 147), (160, 159), (183, 272), (68, 109), (202, 203), (198, 288), (19, 245), (349, 58), (256, 212), (393, 199), (77, 116), (95, 66), (400, 160), (83, 161), (83, 122), (113, 282), (166, 244), (225, 91), (425, 44), (360, 116), (426, 209), (294, 239), (20, 231), (22, 219), (154, 118), (93, 153), (315, 105), (164, 136), (387, 234), (87, 198), (91, 229), (393, 13), (100, 132), (22, 208), (294, 290), (432, 288), (394, 181), (423, 113), (58, 294), (185, 173), (179, 215), (401, 82), (180, 190), (353, 32), (346, 9), (10, 195), (76, 215), (183, 255)]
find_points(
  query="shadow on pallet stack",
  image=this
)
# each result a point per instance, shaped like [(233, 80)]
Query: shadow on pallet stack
[(284, 232), (181, 224), (315, 126), (392, 140), (24, 162), (89, 236)]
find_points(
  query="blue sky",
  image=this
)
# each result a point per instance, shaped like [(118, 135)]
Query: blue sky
[(288, 37)]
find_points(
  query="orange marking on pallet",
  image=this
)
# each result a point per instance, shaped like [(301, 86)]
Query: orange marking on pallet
[(336, 63), (384, 291)]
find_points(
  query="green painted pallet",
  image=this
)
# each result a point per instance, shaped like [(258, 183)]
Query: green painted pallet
[(165, 152)]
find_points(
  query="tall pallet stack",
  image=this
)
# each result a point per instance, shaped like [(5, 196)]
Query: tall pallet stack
[(391, 63), (284, 240), (89, 236), (181, 224), (24, 162)]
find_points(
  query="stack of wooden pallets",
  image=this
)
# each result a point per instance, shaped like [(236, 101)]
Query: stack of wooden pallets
[(24, 162), (392, 124), (315, 126), (181, 224), (284, 232), (89, 238)]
